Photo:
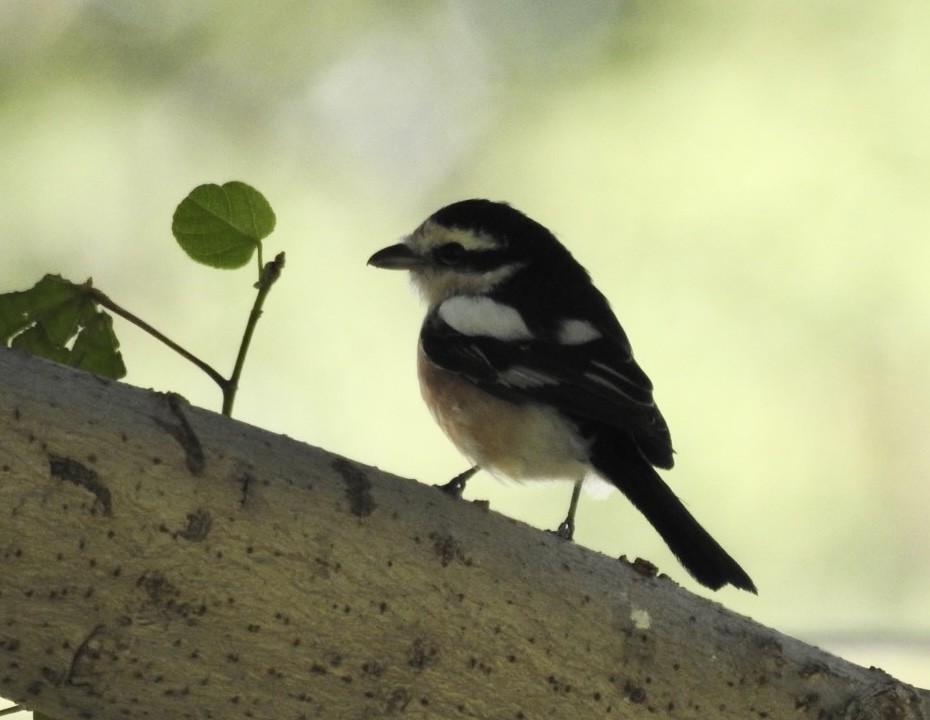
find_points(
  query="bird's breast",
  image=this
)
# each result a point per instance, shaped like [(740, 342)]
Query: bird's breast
[(521, 441)]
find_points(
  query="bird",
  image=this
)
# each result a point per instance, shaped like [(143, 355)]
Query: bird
[(527, 370)]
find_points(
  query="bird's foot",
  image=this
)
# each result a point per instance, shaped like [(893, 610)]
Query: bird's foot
[(565, 530), (456, 486)]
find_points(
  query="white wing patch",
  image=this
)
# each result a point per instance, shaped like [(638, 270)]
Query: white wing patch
[(609, 370), (609, 385), (524, 377), (603, 382), (577, 332), (479, 316)]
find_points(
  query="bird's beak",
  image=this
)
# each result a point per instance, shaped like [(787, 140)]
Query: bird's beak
[(397, 257)]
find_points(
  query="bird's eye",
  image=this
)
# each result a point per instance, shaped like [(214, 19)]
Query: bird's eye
[(449, 254)]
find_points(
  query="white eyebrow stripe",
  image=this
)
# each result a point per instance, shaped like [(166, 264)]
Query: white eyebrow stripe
[(577, 332), (479, 316)]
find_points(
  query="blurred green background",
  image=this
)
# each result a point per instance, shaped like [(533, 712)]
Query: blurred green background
[(749, 183)]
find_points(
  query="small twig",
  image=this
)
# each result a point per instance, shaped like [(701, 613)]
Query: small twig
[(270, 273), (104, 300)]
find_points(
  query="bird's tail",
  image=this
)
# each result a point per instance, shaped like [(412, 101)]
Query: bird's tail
[(621, 462)]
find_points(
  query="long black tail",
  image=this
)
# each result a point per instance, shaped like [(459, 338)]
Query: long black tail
[(619, 460)]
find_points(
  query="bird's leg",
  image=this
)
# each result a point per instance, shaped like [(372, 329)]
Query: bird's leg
[(456, 486), (566, 530)]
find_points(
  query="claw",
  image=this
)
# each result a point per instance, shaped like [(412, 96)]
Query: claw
[(456, 486), (566, 530)]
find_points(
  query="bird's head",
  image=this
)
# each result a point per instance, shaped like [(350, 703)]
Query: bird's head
[(469, 248)]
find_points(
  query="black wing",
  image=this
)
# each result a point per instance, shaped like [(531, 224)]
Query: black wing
[(594, 382)]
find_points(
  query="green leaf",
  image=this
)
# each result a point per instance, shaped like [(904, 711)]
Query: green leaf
[(36, 341), (96, 348), (44, 319), (221, 226), (56, 303)]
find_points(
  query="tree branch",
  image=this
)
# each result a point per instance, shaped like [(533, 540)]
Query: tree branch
[(166, 560)]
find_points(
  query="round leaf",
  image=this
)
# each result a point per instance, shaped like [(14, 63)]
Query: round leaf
[(222, 225)]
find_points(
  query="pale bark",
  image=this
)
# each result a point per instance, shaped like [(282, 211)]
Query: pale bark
[(164, 561)]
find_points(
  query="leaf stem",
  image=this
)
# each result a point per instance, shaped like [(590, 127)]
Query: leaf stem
[(269, 274), (104, 300)]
